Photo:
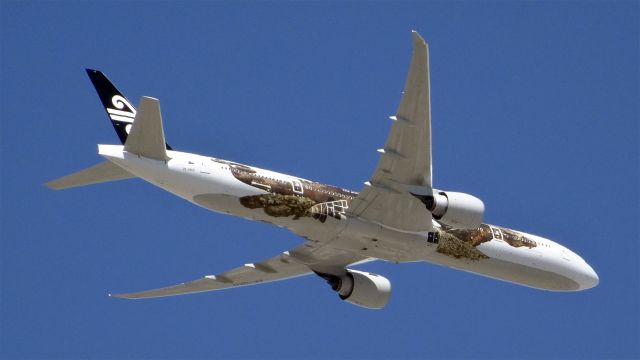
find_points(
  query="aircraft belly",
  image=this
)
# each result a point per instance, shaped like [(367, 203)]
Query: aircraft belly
[(513, 272), (349, 234), (309, 228), (372, 240), (533, 267)]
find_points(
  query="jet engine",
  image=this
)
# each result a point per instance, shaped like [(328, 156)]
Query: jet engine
[(360, 288), (458, 210)]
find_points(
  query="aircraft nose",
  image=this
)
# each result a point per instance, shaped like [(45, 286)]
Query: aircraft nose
[(588, 277)]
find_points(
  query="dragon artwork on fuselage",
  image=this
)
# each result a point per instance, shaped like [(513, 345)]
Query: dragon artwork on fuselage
[(463, 243), (291, 196), (302, 198)]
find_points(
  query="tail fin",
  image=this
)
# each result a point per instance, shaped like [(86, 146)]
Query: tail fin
[(119, 109)]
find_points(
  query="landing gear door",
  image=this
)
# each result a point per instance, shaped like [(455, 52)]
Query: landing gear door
[(296, 186)]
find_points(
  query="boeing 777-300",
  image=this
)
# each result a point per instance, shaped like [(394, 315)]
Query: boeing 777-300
[(399, 216)]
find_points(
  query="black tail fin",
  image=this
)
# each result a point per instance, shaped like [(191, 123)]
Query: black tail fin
[(118, 107)]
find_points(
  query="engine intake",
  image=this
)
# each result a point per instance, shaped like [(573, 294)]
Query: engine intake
[(361, 288), (458, 210)]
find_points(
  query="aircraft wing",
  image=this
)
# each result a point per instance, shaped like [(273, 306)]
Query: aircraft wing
[(405, 160), (300, 261)]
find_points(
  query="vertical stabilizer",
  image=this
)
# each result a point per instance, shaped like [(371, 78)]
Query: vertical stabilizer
[(118, 107), (120, 110)]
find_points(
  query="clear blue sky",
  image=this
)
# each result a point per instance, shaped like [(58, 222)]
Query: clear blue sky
[(535, 110)]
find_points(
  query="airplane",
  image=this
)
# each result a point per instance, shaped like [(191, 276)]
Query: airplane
[(399, 216)]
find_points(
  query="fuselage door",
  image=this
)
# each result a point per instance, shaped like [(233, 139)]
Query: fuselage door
[(296, 186)]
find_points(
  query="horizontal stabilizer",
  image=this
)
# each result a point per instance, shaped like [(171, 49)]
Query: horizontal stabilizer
[(146, 137), (103, 172)]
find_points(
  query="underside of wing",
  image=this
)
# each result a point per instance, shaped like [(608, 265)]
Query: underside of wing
[(277, 268), (405, 160), (103, 172), (303, 260)]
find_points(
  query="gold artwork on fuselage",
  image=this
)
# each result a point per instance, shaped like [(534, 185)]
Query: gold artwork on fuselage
[(278, 205), (463, 243), (292, 197), (516, 240), (460, 245), (335, 209)]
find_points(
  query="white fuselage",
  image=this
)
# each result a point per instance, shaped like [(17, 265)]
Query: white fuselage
[(210, 183)]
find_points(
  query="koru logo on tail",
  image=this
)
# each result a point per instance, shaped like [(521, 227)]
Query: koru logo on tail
[(123, 112)]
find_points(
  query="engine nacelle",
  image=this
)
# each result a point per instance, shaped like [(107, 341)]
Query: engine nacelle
[(361, 288), (458, 210)]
